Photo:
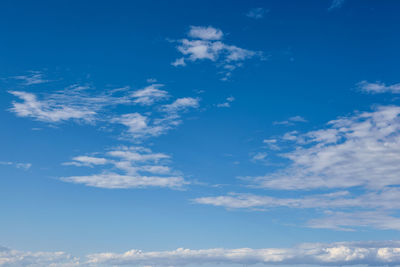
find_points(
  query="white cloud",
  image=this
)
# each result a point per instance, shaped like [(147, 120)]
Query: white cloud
[(18, 165), (205, 33), (335, 254), (181, 104), (290, 121), (227, 102), (371, 253), (34, 77), (360, 150), (147, 96), (132, 167), (48, 110), (378, 87), (205, 44), (257, 13), (349, 221), (9, 257), (116, 181)]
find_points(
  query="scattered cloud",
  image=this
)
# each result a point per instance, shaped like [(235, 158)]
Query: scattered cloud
[(360, 150), (18, 165), (290, 121), (227, 102), (205, 43), (33, 77), (257, 13), (149, 95), (128, 167), (10, 257), (378, 87)]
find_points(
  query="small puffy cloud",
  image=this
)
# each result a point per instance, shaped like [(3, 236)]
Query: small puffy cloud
[(378, 87), (204, 43), (227, 102), (257, 13), (205, 33)]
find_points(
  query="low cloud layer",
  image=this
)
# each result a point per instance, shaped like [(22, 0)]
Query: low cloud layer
[(377, 253)]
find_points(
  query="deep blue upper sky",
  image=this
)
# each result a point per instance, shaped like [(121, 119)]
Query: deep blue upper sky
[(156, 125)]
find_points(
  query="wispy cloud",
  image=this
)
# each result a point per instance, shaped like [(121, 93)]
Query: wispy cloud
[(378, 87), (18, 165), (290, 121), (359, 150), (149, 95), (257, 13), (128, 167), (205, 43), (336, 4), (33, 77)]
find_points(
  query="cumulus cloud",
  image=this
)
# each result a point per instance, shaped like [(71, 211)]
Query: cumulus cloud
[(257, 13), (128, 167), (378, 87), (204, 43), (10, 257), (370, 253), (335, 254)]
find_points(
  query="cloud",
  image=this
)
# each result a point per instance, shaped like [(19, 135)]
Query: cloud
[(205, 33), (34, 77), (348, 221), (79, 103), (370, 253), (205, 43), (360, 150), (17, 165), (227, 102), (128, 167), (336, 4), (181, 104), (48, 110), (290, 121), (257, 13), (9, 257), (140, 126), (378, 87), (149, 95), (334, 254)]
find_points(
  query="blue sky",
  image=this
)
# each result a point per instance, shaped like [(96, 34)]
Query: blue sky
[(174, 133)]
